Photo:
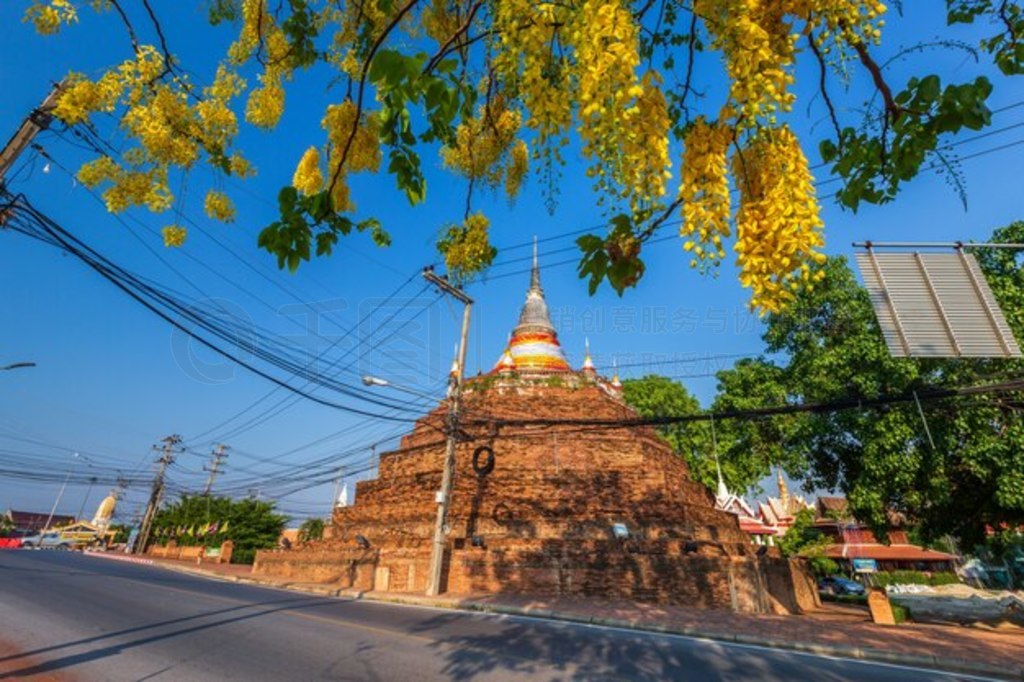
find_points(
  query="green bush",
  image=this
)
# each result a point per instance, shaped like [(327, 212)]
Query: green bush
[(243, 556), (886, 578), (900, 614)]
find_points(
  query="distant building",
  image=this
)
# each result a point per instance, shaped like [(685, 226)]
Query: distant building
[(750, 523), (780, 512), (30, 523), (856, 546)]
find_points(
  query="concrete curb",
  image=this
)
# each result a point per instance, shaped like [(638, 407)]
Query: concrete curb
[(954, 665)]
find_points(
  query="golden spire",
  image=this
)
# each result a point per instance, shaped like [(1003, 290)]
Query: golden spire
[(783, 490)]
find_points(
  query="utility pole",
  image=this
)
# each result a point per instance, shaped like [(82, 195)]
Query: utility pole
[(454, 399), (36, 121), (218, 455), (156, 494)]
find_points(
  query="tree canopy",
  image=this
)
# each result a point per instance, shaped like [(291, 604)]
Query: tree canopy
[(952, 466), (203, 520), (500, 89)]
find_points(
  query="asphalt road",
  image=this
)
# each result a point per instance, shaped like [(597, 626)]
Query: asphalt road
[(64, 616)]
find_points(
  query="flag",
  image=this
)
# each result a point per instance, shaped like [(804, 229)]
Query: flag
[(212, 530), (225, 528)]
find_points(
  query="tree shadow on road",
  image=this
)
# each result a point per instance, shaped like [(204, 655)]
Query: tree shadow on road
[(580, 652), (279, 605)]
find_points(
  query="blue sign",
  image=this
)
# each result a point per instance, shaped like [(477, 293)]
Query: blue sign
[(865, 565)]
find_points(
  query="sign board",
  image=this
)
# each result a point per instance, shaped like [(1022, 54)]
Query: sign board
[(865, 566), (132, 537), (212, 552), (935, 305)]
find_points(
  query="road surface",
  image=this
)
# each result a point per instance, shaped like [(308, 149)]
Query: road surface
[(65, 616)]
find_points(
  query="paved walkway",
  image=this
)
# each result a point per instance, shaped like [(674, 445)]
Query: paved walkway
[(838, 630)]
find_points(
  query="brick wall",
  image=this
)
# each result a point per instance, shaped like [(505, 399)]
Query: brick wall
[(545, 512)]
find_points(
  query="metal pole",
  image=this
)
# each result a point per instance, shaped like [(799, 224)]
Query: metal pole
[(445, 493), (56, 502), (935, 245), (85, 500), (156, 495), (214, 470)]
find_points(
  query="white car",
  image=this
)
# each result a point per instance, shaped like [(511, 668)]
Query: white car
[(46, 541)]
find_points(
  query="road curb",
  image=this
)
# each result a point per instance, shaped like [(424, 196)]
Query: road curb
[(941, 663)]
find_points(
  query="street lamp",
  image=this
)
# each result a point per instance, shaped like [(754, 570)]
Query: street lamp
[(377, 381), (18, 365)]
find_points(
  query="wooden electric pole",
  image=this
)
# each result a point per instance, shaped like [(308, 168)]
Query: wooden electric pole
[(452, 428), (218, 455), (156, 494), (36, 121)]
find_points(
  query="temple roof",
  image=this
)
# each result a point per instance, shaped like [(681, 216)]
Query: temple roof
[(534, 347)]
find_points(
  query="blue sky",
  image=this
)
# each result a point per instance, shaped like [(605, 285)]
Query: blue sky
[(112, 379)]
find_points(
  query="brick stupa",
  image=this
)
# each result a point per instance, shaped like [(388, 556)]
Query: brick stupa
[(566, 510)]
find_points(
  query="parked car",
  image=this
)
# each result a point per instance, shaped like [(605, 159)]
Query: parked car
[(836, 584), (52, 540)]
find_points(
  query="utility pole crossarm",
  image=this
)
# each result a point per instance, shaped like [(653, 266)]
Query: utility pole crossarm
[(445, 286)]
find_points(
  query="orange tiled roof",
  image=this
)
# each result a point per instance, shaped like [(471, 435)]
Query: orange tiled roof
[(886, 552)]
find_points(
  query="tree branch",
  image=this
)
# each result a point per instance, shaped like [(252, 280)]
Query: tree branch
[(127, 24), (444, 49), (362, 90), (891, 108), (823, 89)]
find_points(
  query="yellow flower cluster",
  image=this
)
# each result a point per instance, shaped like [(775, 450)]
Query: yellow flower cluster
[(438, 21), (174, 235), (48, 17), (128, 187), (359, 25), (308, 177), (363, 153), (526, 62), (218, 121), (604, 35), (705, 192), (260, 33), (518, 167), (165, 126), (169, 130), (759, 45), (219, 207), (483, 142), (82, 97), (778, 224), (842, 21), (467, 248), (266, 103), (644, 155)]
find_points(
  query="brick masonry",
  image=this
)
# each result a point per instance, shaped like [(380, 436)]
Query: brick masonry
[(543, 517)]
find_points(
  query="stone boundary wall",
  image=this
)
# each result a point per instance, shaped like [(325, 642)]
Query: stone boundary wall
[(744, 584), (347, 568)]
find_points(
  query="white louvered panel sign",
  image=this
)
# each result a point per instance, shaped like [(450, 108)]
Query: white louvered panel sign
[(935, 305)]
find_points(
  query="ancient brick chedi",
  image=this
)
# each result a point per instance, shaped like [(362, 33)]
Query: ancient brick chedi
[(547, 508)]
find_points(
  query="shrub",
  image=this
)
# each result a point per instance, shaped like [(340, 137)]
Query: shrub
[(900, 614), (243, 556), (886, 578)]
